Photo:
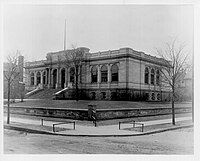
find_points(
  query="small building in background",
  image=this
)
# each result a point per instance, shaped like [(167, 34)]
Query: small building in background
[(185, 89)]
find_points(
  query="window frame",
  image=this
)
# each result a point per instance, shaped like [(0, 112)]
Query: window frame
[(114, 74), (152, 76), (104, 74), (146, 75), (94, 78), (32, 79)]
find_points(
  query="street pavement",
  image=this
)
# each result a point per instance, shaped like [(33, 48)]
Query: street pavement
[(126, 129)]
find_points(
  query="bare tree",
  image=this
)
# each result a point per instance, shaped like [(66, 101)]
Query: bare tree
[(76, 60), (175, 59), (11, 74)]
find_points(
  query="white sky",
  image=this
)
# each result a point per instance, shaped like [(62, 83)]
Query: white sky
[(36, 30)]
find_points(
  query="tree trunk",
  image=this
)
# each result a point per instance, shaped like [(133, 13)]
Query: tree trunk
[(22, 92), (173, 110), (8, 108)]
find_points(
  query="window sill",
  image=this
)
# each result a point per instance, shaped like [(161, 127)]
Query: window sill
[(114, 82)]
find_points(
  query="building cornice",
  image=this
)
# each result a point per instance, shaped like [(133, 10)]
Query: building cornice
[(105, 55)]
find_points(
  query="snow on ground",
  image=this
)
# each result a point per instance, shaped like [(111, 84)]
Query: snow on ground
[(171, 142)]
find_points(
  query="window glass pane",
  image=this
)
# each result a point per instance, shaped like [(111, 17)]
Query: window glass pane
[(146, 77), (114, 73), (153, 96), (94, 74), (104, 74), (38, 78), (32, 78), (152, 76), (158, 97), (158, 77)]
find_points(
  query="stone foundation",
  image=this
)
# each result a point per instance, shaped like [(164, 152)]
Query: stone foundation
[(101, 114), (116, 94)]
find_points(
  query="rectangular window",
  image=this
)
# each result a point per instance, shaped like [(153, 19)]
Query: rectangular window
[(94, 78), (114, 77), (104, 77), (103, 95)]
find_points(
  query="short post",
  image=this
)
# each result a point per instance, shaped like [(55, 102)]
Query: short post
[(74, 125), (119, 125), (42, 122), (142, 127), (53, 128), (133, 123)]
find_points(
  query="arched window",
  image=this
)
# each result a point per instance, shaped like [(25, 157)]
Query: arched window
[(44, 77), (93, 95), (72, 73), (158, 97), (146, 76), (158, 77), (114, 73), (104, 74), (146, 96), (94, 74), (103, 95), (54, 78), (32, 78), (38, 75), (62, 78), (153, 96), (152, 76)]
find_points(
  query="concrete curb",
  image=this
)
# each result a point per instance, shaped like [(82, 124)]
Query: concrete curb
[(11, 127)]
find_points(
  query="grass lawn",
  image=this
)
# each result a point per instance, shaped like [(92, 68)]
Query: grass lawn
[(83, 104)]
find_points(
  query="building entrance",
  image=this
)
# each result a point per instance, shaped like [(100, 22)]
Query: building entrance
[(63, 78), (54, 78)]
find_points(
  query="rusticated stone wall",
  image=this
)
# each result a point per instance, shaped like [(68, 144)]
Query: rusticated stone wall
[(82, 114)]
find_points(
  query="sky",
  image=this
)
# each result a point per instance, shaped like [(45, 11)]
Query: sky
[(35, 30)]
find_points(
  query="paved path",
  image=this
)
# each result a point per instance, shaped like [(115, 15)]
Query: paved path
[(91, 130)]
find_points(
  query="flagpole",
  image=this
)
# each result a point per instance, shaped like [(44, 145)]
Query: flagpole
[(65, 35)]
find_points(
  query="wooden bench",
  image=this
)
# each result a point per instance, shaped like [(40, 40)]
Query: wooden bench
[(131, 122)]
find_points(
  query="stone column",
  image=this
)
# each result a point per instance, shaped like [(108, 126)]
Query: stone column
[(29, 78), (149, 76), (35, 78), (46, 77), (49, 78), (66, 77), (41, 77), (109, 75), (98, 75), (57, 78), (60, 75), (155, 78)]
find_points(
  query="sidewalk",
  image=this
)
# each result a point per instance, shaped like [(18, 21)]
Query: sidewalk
[(82, 129)]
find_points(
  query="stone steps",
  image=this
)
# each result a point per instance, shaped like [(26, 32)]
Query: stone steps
[(44, 94)]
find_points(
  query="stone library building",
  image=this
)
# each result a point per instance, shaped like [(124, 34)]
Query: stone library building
[(123, 74)]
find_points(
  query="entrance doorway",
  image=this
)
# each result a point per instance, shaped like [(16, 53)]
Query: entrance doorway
[(54, 78), (63, 78)]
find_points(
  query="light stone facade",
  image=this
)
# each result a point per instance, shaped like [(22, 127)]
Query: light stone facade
[(129, 75)]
